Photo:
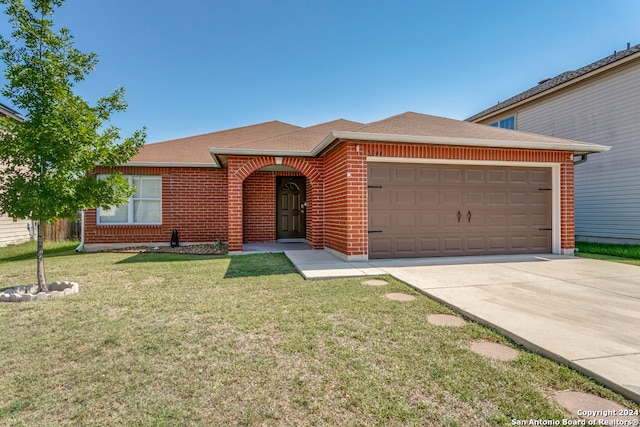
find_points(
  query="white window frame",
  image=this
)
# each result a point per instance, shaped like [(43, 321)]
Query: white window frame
[(131, 202)]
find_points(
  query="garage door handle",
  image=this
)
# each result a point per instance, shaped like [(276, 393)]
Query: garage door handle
[(469, 216), (374, 231), (459, 216)]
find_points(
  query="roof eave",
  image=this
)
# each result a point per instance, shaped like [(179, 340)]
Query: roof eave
[(468, 142), (173, 164), (258, 152), (416, 139)]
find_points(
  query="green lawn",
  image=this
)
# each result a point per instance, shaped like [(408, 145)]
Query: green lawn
[(174, 340), (627, 254)]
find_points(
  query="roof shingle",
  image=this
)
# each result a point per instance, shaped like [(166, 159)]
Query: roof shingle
[(551, 83)]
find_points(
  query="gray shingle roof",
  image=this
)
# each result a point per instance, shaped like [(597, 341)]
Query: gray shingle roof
[(547, 84)]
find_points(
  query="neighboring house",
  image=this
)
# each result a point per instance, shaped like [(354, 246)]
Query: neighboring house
[(599, 103), (12, 230), (411, 185)]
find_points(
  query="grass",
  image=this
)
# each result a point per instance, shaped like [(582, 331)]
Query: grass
[(172, 340), (627, 254)]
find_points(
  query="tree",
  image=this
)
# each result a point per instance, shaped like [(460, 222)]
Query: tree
[(48, 158)]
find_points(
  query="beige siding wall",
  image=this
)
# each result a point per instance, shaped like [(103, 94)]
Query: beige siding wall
[(13, 231), (604, 111)]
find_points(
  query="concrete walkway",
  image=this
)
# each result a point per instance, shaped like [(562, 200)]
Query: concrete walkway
[(580, 312)]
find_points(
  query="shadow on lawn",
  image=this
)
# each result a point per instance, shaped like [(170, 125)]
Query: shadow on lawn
[(255, 265), (145, 257), (251, 265), (48, 253)]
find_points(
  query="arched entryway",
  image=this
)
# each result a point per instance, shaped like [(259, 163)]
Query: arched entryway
[(273, 198)]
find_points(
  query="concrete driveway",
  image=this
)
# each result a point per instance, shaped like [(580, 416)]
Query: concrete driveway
[(580, 312)]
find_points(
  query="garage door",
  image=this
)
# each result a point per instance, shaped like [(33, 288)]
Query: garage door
[(449, 210)]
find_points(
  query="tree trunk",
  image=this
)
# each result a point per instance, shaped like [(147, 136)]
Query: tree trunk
[(42, 281)]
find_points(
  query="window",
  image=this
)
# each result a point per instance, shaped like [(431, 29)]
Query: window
[(508, 123), (144, 207)]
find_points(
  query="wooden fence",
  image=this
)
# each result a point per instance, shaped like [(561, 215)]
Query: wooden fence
[(62, 229)]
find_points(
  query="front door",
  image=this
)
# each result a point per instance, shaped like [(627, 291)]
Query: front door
[(291, 207)]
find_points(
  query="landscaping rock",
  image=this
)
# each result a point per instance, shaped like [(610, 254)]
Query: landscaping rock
[(494, 350), (445, 320), (398, 296), (592, 407), (30, 293), (42, 296)]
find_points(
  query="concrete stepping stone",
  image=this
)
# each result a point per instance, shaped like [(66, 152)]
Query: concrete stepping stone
[(398, 296), (445, 320), (494, 350), (375, 282), (591, 407)]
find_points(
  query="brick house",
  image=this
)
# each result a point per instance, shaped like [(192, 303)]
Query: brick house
[(411, 185)]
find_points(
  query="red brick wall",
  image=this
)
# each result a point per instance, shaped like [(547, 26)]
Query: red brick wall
[(259, 210), (345, 200), (194, 201)]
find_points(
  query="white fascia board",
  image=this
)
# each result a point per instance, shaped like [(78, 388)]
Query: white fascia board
[(577, 148), (258, 152), (172, 164), (468, 142)]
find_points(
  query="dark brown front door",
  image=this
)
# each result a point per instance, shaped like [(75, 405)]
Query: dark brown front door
[(291, 207)]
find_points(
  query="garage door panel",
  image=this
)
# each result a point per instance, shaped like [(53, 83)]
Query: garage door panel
[(405, 245), (405, 197), (416, 210), (496, 176), (379, 199), (497, 198), (379, 174), (540, 177), (429, 221), (428, 199), (540, 198), (405, 221), (452, 176), (380, 221), (474, 198), (452, 245), (428, 175), (474, 176), (451, 198), (518, 198), (404, 175), (429, 245)]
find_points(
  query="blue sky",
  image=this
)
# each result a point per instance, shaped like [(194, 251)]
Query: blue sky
[(197, 66)]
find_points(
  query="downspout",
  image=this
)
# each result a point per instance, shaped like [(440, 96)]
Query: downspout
[(81, 245), (583, 158)]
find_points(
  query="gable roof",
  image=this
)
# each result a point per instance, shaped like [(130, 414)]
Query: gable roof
[(281, 139), (563, 79)]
